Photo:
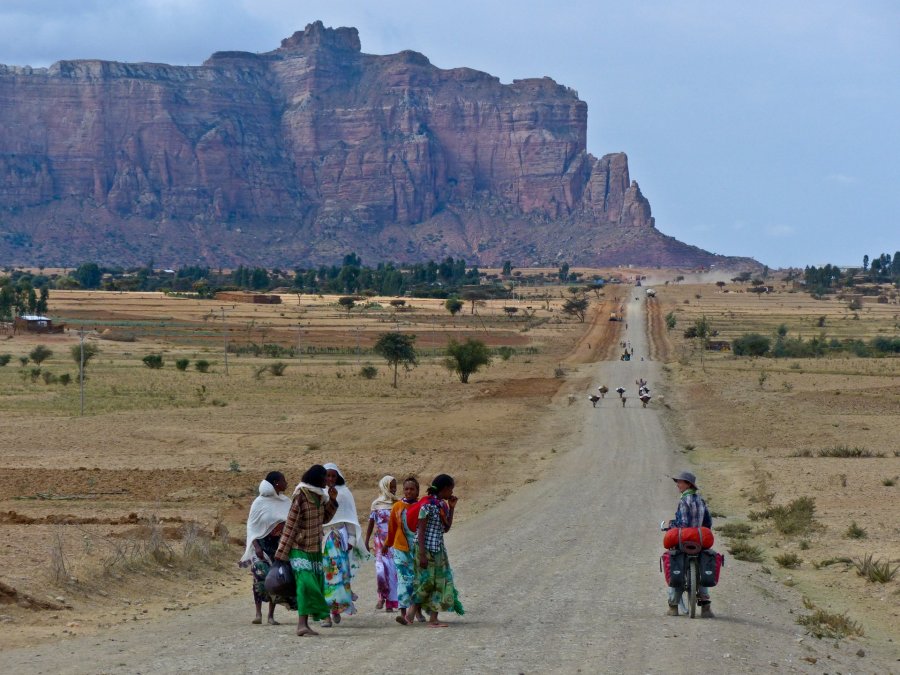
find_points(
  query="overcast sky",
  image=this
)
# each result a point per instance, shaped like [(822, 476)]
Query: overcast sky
[(768, 128)]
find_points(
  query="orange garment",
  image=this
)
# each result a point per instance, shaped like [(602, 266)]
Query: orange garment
[(395, 537)]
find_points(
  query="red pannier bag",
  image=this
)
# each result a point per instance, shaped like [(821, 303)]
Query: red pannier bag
[(671, 539)]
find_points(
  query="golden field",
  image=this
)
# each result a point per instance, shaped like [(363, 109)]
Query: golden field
[(755, 427), (154, 482)]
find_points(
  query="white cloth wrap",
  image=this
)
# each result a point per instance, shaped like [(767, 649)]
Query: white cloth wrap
[(267, 510)]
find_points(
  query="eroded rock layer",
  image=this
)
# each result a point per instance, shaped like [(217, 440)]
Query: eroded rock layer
[(307, 152)]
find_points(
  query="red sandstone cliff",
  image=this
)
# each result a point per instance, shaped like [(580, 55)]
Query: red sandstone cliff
[(302, 154)]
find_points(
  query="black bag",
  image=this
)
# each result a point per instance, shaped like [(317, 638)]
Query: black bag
[(677, 568), (710, 563), (280, 580)]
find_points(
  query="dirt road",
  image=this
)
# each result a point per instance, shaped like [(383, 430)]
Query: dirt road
[(560, 577)]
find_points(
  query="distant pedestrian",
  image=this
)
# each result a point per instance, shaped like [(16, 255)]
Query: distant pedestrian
[(624, 398)]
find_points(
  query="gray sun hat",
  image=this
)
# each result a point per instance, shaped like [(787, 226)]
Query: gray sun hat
[(686, 476)]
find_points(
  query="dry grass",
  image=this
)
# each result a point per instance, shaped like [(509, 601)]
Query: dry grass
[(771, 444), (189, 448), (744, 550), (876, 571)]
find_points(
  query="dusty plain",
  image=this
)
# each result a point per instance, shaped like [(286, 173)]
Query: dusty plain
[(746, 422), (138, 507), (159, 450)]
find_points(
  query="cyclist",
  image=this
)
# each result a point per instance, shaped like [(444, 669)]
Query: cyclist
[(691, 512)]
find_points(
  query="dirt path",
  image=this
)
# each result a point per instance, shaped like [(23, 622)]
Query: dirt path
[(560, 577)]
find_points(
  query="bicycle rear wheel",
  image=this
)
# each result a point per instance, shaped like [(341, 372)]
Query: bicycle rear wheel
[(694, 581)]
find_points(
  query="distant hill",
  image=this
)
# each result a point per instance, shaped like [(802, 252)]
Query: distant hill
[(299, 155)]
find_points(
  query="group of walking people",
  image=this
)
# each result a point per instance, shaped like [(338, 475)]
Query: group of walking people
[(317, 531)]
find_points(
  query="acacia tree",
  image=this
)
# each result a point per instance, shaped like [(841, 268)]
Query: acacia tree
[(40, 354), (474, 297), (576, 307), (453, 305), (702, 331), (90, 351), (467, 357), (397, 348), (347, 302)]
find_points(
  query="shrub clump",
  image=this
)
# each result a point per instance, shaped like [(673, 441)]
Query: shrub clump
[(788, 560), (744, 550), (153, 361), (793, 518), (736, 530), (751, 344), (824, 624), (876, 571), (368, 372), (202, 365), (182, 364)]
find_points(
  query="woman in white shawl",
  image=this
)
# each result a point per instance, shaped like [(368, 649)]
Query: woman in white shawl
[(264, 524), (385, 571), (341, 549)]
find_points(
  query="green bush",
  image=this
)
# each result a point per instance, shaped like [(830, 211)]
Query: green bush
[(368, 372), (793, 518), (40, 354), (735, 530), (65, 379), (182, 364), (751, 344), (153, 361), (202, 365), (505, 352), (788, 560), (877, 571), (277, 369), (856, 532), (744, 550), (48, 377), (4, 359)]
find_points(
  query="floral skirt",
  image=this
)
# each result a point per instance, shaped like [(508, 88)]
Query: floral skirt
[(434, 589), (386, 577), (406, 577), (310, 581), (338, 574)]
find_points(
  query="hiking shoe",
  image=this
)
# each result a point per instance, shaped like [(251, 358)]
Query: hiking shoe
[(673, 610), (706, 612)]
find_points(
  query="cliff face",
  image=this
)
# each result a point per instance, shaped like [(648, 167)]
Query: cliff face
[(304, 153)]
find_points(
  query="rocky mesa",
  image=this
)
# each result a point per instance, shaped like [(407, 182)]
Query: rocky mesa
[(299, 155)]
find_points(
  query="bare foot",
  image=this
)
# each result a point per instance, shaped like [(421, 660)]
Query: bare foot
[(389, 610), (304, 632), (380, 604), (437, 624), (273, 622), (421, 618), (325, 624), (401, 620), (257, 620)]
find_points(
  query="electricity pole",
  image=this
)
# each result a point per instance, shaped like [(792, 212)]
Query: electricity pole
[(225, 335)]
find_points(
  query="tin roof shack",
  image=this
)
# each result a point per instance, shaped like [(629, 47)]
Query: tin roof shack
[(257, 298), (32, 323)]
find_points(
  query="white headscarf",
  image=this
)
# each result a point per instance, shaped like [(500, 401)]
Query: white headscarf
[(267, 510), (387, 498), (346, 514)]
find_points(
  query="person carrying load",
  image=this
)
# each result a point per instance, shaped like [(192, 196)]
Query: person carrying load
[(691, 512)]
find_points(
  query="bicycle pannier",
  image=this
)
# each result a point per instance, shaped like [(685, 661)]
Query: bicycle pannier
[(710, 565), (674, 565)]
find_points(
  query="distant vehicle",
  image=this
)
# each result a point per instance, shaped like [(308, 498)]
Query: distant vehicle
[(651, 293), (614, 317)]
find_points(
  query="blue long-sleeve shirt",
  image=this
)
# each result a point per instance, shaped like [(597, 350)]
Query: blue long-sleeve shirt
[(692, 511)]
